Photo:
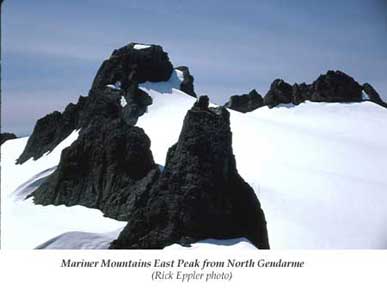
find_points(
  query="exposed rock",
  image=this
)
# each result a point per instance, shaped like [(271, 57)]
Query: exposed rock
[(199, 194), (245, 103), (52, 129), (300, 93), (336, 86), (103, 100), (202, 103), (6, 136), (137, 102), (373, 95), (280, 93), (128, 64), (187, 85), (104, 168)]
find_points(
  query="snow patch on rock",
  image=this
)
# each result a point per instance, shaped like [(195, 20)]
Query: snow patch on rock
[(141, 46)]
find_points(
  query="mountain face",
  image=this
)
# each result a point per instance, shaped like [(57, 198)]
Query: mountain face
[(106, 164), (110, 166), (6, 136), (115, 82), (245, 103), (199, 194), (111, 158)]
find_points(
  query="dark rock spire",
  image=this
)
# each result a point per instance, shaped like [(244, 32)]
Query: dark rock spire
[(199, 194)]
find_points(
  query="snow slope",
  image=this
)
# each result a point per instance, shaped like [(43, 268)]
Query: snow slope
[(25, 225), (318, 169)]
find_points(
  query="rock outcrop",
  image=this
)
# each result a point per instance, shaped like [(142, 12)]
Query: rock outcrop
[(199, 194), (334, 86), (114, 93), (6, 136), (52, 129), (245, 103), (280, 93), (134, 62), (108, 163), (373, 95), (187, 85)]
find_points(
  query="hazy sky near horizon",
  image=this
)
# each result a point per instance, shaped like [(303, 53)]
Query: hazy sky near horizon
[(51, 50)]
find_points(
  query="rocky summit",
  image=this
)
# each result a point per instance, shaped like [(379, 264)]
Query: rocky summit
[(111, 161), (245, 103), (334, 86), (114, 93), (134, 62), (199, 194)]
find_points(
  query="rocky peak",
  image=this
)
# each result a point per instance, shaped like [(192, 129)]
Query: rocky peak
[(202, 103), (373, 95), (245, 103), (187, 85), (115, 93), (6, 136), (104, 168), (334, 86), (134, 62), (280, 93), (199, 194)]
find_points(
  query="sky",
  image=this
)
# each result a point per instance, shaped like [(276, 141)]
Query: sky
[(51, 50)]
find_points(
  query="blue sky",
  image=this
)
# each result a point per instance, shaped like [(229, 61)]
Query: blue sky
[(52, 49)]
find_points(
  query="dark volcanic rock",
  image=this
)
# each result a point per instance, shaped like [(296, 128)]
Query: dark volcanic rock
[(6, 136), (187, 85), (202, 103), (137, 102), (300, 93), (128, 64), (280, 93), (50, 130), (108, 163), (245, 103), (373, 95), (336, 86), (199, 194), (103, 101)]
